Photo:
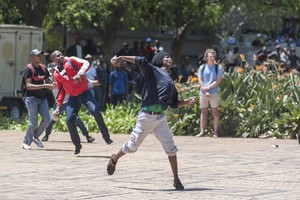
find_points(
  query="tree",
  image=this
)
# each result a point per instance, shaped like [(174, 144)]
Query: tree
[(179, 16), (9, 13), (33, 12), (104, 17)]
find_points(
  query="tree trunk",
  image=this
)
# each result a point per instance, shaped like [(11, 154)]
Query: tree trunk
[(177, 44), (33, 12), (109, 33)]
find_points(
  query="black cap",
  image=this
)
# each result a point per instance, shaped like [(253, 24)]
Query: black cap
[(157, 59)]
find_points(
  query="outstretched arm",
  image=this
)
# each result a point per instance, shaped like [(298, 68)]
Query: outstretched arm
[(117, 60), (187, 101)]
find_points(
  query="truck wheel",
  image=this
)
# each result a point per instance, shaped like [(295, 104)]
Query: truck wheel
[(14, 110)]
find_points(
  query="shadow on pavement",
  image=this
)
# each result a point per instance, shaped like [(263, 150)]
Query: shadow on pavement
[(168, 190), (52, 149), (93, 157), (58, 141)]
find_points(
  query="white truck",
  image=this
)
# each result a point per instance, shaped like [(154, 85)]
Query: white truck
[(16, 42)]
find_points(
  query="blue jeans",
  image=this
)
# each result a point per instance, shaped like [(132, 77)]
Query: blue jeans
[(86, 98), (78, 121), (34, 107)]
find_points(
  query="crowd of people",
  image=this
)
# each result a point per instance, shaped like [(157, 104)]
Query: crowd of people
[(94, 81), (120, 83), (285, 58), (75, 81), (86, 76)]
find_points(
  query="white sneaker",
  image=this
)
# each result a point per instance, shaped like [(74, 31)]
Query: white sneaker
[(38, 142), (25, 146), (215, 135), (200, 135)]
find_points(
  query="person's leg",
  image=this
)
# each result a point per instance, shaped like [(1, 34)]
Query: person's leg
[(92, 91), (215, 112), (72, 112), (114, 99), (122, 98), (97, 95), (50, 125), (137, 136), (204, 103), (48, 130), (164, 135), (32, 108), (82, 127), (43, 109), (174, 167), (102, 101), (203, 121), (52, 122), (89, 101), (84, 130)]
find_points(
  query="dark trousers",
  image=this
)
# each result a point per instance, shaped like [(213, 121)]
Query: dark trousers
[(78, 121), (100, 95), (117, 98), (86, 98)]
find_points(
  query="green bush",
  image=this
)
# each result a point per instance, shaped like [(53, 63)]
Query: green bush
[(251, 105)]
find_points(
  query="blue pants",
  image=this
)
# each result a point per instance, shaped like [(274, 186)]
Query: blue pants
[(78, 121), (86, 98), (36, 106)]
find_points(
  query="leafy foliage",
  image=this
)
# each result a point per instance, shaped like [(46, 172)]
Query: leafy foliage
[(251, 105)]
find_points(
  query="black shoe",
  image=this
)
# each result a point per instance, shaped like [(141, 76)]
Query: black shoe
[(178, 185), (109, 141), (77, 149), (111, 166), (45, 138), (298, 137), (90, 139)]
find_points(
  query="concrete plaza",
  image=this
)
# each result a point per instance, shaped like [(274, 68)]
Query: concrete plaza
[(209, 168)]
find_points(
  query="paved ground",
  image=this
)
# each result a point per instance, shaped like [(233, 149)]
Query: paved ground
[(221, 168)]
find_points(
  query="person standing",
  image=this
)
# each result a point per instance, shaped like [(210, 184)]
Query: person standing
[(118, 84), (158, 94), (36, 79), (102, 77), (76, 49), (210, 76), (71, 80)]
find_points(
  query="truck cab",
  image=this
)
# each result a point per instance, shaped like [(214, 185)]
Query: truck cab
[(16, 42)]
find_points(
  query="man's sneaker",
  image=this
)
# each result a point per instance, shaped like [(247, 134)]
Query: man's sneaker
[(25, 146), (77, 149), (111, 166), (298, 137), (45, 138), (109, 141), (215, 135), (38, 142), (178, 185), (200, 135), (90, 139)]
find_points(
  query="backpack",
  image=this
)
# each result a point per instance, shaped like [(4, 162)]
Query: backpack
[(49, 95), (23, 84)]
